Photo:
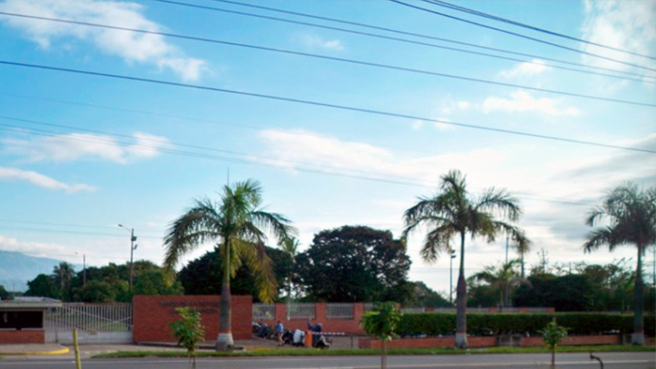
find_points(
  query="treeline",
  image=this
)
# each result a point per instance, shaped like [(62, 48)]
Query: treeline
[(103, 284), (566, 287), (357, 264), (347, 264)]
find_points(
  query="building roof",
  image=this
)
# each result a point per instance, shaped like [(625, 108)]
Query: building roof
[(25, 302)]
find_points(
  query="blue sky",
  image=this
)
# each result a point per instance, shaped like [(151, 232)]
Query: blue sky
[(92, 181)]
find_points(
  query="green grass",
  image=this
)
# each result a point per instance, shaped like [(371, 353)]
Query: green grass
[(368, 352)]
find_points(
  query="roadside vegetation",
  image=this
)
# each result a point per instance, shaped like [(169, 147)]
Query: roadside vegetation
[(373, 352)]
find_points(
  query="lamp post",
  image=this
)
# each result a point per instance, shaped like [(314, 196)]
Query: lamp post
[(133, 247), (453, 256), (84, 269)]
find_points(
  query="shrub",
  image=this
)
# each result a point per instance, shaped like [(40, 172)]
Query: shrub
[(435, 324)]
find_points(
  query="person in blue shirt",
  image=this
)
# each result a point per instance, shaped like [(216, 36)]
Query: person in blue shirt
[(279, 331)]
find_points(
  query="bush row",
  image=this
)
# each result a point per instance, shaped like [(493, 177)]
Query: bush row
[(435, 324)]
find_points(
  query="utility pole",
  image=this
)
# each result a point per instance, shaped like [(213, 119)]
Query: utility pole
[(451, 277), (543, 260), (133, 247), (84, 269), (507, 240)]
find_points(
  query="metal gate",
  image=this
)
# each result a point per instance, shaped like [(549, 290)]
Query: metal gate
[(96, 323)]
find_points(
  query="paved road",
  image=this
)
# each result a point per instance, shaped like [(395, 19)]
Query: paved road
[(611, 360)]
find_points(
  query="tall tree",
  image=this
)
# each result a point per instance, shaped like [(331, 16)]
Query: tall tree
[(203, 276), (628, 216), (238, 226), (453, 212), (63, 275), (355, 264)]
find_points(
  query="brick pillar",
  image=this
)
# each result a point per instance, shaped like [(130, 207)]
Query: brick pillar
[(320, 313), (358, 311)]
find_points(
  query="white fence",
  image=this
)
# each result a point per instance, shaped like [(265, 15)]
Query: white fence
[(264, 311), (340, 311), (96, 323)]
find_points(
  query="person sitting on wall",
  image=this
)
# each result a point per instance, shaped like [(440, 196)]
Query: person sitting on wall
[(299, 338)]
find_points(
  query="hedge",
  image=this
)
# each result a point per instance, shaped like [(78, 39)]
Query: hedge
[(435, 324)]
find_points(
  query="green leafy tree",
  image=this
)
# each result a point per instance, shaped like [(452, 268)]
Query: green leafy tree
[(553, 334), (382, 322), (189, 331), (203, 276), (99, 290), (572, 292), (454, 212), (424, 296), (43, 286), (355, 264), (3, 292), (238, 225), (628, 217)]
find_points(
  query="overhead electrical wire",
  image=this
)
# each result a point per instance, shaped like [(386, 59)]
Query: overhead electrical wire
[(68, 225), (207, 121), (204, 148), (320, 104), (344, 60), (534, 28), (69, 232), (522, 36), (271, 162), (396, 39)]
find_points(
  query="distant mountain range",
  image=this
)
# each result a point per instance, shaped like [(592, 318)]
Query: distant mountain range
[(16, 269)]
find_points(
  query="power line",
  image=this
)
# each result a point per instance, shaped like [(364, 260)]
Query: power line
[(413, 181), (65, 225), (322, 104), (325, 57), (198, 147), (69, 232), (534, 28), (185, 118), (216, 157), (396, 39), (521, 35)]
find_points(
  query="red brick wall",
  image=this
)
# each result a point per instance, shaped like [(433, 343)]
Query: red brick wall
[(36, 336), (349, 326), (575, 341), (430, 342), (153, 316)]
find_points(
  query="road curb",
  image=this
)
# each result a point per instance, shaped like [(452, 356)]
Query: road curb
[(62, 351)]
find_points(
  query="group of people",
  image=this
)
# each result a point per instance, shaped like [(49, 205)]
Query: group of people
[(298, 337)]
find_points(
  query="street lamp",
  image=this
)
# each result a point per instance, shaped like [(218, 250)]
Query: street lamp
[(84, 268), (453, 256), (133, 247)]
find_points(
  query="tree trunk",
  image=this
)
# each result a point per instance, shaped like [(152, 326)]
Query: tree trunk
[(553, 358), (224, 340), (638, 336), (461, 300), (383, 356)]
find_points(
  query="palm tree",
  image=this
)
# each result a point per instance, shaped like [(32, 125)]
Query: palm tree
[(63, 274), (502, 278), (629, 216), (238, 226), (290, 247), (453, 212)]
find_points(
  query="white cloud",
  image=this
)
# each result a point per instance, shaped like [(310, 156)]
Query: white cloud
[(522, 101), (536, 67), (132, 47), (627, 25), (75, 146), (40, 180), (316, 41), (417, 125), (361, 157)]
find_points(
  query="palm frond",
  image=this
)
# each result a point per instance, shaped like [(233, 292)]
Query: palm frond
[(259, 263), (275, 223), (200, 224), (499, 201), (437, 241)]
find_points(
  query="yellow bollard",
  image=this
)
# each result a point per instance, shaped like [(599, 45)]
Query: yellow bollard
[(78, 362)]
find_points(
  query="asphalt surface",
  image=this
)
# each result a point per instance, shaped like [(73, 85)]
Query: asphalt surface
[(611, 360)]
